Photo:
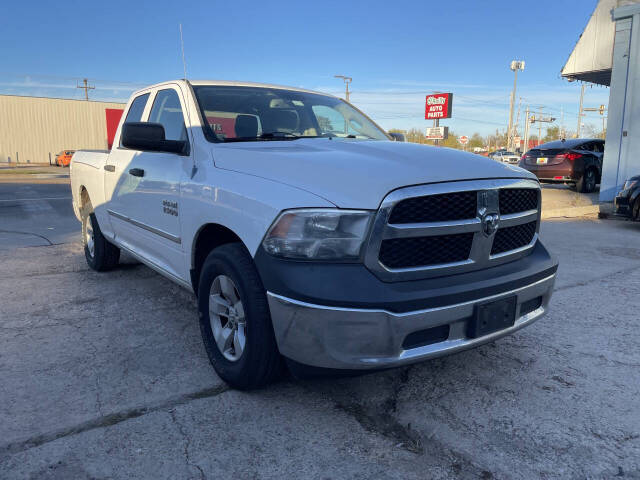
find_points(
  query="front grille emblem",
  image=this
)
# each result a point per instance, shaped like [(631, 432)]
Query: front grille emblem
[(490, 223)]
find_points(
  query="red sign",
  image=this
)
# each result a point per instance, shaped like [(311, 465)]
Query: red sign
[(463, 139), (438, 106), (113, 118)]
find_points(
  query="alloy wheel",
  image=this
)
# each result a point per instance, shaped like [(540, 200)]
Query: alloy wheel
[(226, 315), (590, 181), (89, 238)]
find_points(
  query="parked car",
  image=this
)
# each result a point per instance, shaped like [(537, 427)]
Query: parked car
[(63, 158), (627, 202), (307, 235), (495, 152), (398, 137), (576, 162), (506, 157)]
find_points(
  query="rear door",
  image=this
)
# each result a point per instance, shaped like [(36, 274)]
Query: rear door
[(145, 203)]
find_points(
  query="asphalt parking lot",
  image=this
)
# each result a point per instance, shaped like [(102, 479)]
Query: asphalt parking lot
[(105, 376)]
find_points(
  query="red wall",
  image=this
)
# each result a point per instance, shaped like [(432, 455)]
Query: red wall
[(113, 118)]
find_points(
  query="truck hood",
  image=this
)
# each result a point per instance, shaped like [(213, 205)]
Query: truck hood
[(357, 173)]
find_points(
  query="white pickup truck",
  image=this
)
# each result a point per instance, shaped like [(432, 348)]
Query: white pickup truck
[(307, 234)]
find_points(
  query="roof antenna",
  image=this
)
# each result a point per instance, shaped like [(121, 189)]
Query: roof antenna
[(184, 63)]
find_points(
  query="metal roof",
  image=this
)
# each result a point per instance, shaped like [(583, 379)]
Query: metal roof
[(592, 58)]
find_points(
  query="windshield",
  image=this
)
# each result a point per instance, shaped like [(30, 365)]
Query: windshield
[(236, 114)]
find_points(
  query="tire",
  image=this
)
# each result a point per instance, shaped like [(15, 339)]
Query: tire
[(635, 210), (587, 184), (101, 255), (228, 273)]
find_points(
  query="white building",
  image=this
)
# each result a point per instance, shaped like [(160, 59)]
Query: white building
[(608, 53)]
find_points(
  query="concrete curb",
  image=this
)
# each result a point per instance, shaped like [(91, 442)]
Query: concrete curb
[(571, 212)]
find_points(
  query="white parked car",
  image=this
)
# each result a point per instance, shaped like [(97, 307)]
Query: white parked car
[(307, 235), (507, 157)]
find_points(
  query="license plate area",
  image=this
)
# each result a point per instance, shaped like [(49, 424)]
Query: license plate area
[(542, 160), (491, 317)]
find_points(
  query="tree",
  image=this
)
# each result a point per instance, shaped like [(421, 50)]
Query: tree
[(415, 136), (553, 133), (476, 141)]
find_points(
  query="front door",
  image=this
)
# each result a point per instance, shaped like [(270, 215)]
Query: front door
[(145, 201)]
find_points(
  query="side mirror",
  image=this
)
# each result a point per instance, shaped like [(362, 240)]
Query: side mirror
[(149, 137), (397, 137)]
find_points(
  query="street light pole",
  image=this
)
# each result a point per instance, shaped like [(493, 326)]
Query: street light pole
[(515, 66), (580, 112), (347, 81)]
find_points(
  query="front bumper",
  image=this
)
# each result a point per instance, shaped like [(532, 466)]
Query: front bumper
[(352, 338), (622, 204)]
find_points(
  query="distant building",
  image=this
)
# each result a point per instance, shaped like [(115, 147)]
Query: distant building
[(608, 53), (34, 129)]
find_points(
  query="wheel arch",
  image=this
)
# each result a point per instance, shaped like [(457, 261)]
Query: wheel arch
[(208, 237), (85, 207)]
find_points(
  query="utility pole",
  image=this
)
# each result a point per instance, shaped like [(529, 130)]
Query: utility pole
[(526, 131), (540, 127), (562, 135), (86, 87), (515, 125), (515, 66), (347, 81), (580, 114)]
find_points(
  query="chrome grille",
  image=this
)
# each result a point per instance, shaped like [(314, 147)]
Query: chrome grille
[(421, 251), (435, 208), (514, 200), (429, 230), (512, 238)]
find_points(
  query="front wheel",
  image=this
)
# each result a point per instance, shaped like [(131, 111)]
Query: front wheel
[(635, 210), (100, 254), (234, 319)]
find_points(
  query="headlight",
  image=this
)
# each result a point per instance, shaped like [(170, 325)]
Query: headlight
[(629, 184), (318, 234)]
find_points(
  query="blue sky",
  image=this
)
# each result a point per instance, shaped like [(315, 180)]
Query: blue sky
[(396, 52)]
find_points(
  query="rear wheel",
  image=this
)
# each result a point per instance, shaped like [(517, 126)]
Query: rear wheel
[(587, 184), (234, 319), (101, 255)]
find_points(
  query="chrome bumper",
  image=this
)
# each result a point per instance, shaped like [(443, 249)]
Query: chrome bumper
[(346, 338)]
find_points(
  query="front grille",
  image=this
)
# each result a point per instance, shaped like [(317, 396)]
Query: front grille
[(425, 251), (515, 200), (436, 208), (510, 238)]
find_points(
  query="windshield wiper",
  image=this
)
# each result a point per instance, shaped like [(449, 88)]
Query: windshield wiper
[(265, 136), (279, 135)]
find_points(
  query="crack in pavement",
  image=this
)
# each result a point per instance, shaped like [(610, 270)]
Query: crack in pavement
[(110, 420), (187, 444), (597, 279), (29, 233), (379, 419)]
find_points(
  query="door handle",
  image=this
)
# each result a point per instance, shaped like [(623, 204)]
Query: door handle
[(110, 168), (137, 172)]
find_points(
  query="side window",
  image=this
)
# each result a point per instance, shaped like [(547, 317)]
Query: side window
[(589, 147), (137, 108), (167, 111)]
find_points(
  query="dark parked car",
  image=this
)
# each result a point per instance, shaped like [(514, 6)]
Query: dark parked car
[(628, 200), (576, 162)]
